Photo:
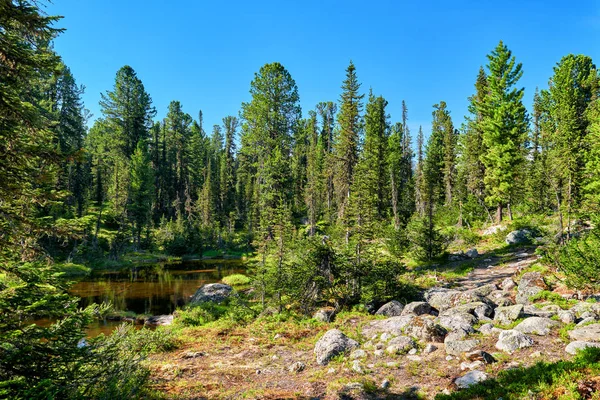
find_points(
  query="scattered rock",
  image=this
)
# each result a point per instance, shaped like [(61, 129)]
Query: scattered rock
[(441, 298), (193, 354), (586, 321), (566, 317), (356, 367), (508, 284), (412, 352), (385, 336), (506, 315), (533, 311), (430, 348), (332, 343), (457, 347), (513, 340), (458, 321), (588, 314), (486, 329), (520, 236), (449, 358), (480, 355), (393, 325), (296, 367), (400, 345), (536, 325), (493, 230), (574, 347), (589, 333), (211, 293), (417, 308), (471, 366), (326, 314), (414, 358), (385, 384), (470, 378), (425, 330), (536, 354), (378, 352), (358, 354), (472, 253), (331, 371), (159, 320), (391, 309)]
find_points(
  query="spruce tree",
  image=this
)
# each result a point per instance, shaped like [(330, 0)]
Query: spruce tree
[(346, 142), (505, 124), (141, 190)]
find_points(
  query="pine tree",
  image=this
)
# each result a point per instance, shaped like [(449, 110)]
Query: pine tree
[(504, 129), (346, 141), (573, 87), (128, 110), (313, 194), (537, 181), (327, 111), (269, 121), (420, 178), (141, 188), (227, 185)]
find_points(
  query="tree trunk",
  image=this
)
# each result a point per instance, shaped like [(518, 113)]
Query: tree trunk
[(510, 215), (499, 213)]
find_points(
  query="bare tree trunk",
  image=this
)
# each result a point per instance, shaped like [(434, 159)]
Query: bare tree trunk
[(499, 213)]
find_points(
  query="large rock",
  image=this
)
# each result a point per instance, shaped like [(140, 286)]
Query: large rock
[(479, 309), (213, 293), (530, 284), (520, 236), (484, 290), (589, 333), (506, 315), (332, 343), (325, 314), (458, 347), (417, 308), (426, 330), (400, 345), (470, 378), (492, 230), (472, 253), (159, 320), (536, 325), (393, 326), (513, 340), (508, 284), (533, 311), (457, 321), (441, 298), (574, 347), (391, 309)]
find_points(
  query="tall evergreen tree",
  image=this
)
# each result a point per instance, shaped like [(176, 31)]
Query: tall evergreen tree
[(326, 112), (504, 129), (227, 185), (346, 141), (140, 198)]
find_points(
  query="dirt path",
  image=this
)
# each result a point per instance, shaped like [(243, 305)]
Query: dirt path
[(494, 269)]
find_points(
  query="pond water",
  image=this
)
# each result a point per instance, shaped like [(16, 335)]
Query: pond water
[(152, 289)]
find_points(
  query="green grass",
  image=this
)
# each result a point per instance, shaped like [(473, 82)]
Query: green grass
[(73, 270), (236, 280), (553, 298), (561, 379)]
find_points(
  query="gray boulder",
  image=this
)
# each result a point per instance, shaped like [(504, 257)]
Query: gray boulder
[(536, 325), (326, 314), (586, 321), (480, 355), (574, 347), (486, 329), (588, 333), (508, 284), (520, 236), (332, 343), (506, 315), (297, 367), (393, 326), (417, 308), (477, 308), (211, 293), (512, 340), (533, 311), (400, 345), (470, 378), (472, 253), (159, 320), (566, 317), (458, 321), (391, 309), (441, 298), (426, 330), (458, 347)]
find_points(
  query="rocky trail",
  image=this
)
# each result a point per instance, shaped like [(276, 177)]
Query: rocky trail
[(459, 334)]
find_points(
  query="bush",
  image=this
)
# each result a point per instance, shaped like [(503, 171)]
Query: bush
[(579, 260)]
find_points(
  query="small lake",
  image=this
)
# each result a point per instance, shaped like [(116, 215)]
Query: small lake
[(152, 289)]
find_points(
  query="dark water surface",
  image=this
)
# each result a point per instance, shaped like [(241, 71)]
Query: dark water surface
[(152, 289)]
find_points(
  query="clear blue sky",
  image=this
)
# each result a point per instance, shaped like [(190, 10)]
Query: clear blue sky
[(205, 53)]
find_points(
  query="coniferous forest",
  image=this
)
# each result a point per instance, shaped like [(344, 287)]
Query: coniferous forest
[(338, 210)]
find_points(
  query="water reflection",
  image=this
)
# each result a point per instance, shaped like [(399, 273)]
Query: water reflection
[(153, 289)]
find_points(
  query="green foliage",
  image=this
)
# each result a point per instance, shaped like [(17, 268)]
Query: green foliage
[(553, 298), (236, 280), (579, 260), (427, 243), (542, 379)]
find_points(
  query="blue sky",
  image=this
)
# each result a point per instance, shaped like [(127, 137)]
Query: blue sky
[(205, 53)]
